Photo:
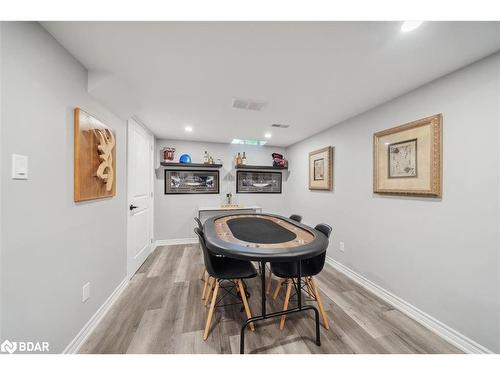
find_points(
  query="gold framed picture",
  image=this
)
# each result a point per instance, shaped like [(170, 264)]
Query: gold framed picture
[(321, 169), (94, 159), (407, 159)]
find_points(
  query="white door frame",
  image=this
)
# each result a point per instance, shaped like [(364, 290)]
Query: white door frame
[(134, 122)]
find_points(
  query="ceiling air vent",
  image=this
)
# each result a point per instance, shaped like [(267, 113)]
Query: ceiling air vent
[(283, 126), (248, 104)]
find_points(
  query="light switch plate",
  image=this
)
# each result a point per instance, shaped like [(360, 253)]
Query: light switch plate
[(342, 246), (19, 167)]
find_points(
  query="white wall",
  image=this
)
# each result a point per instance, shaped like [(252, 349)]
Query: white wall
[(52, 246), (441, 255), (174, 213), (1, 288)]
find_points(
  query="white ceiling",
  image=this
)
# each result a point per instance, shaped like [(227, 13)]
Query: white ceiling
[(312, 75)]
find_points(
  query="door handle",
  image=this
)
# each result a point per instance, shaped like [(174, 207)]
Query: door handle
[(132, 207)]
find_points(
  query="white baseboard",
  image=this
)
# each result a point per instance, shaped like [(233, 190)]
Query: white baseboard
[(176, 241), (454, 337), (87, 329)]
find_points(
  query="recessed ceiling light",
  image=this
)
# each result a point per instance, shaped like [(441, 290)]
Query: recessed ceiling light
[(188, 128), (268, 135), (408, 26)]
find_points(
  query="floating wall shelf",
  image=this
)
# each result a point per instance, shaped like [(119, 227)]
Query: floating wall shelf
[(191, 165), (259, 167)]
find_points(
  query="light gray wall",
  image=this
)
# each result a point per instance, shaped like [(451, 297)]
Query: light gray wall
[(441, 255), (1, 168), (52, 246), (174, 213)]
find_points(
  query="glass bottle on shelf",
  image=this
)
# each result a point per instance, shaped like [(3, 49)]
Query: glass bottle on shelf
[(238, 159), (244, 159), (205, 158)]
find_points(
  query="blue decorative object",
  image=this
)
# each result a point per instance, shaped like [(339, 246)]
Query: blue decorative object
[(185, 158)]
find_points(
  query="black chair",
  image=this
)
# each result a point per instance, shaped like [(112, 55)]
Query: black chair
[(293, 217), (224, 269), (288, 271), (198, 222), (204, 275)]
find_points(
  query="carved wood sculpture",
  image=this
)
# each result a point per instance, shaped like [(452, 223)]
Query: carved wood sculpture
[(105, 149), (95, 160)]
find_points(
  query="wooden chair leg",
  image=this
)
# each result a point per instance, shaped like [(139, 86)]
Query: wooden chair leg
[(285, 305), (320, 304), (211, 311), (205, 288), (309, 288), (245, 303), (278, 288), (269, 282), (211, 283)]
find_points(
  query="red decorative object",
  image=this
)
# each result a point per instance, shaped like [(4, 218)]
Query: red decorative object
[(279, 160), (168, 153)]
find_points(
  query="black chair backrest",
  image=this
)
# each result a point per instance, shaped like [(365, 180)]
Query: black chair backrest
[(318, 261), (296, 218), (325, 229), (207, 257), (198, 222)]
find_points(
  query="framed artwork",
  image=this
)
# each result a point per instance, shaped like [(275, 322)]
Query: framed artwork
[(407, 159), (321, 169), (258, 182), (190, 181), (94, 158)]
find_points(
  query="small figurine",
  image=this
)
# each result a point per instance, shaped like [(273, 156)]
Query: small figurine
[(168, 153)]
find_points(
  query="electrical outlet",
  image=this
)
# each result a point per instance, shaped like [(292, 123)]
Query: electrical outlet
[(86, 292), (341, 246)]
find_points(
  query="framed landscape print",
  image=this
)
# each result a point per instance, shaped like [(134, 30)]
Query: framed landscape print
[(94, 158), (258, 182), (407, 159), (189, 181), (321, 169)]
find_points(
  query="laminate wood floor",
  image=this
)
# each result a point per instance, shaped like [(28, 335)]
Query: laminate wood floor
[(160, 311)]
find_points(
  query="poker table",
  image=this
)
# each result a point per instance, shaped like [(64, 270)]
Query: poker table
[(265, 238)]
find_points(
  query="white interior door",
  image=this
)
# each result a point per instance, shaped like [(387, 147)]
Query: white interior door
[(140, 196)]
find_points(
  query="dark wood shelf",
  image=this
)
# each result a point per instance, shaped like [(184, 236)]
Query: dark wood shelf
[(259, 167), (191, 165)]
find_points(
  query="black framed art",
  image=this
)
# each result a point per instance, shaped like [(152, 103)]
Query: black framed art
[(258, 182), (191, 181)]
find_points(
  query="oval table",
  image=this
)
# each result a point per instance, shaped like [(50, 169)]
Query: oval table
[(265, 238)]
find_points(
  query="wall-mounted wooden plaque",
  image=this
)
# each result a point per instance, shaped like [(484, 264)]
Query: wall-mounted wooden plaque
[(95, 158)]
